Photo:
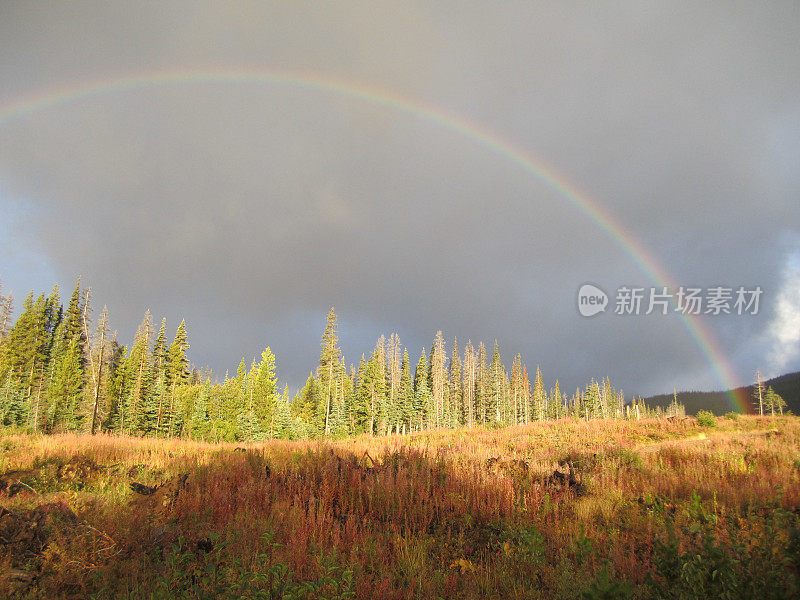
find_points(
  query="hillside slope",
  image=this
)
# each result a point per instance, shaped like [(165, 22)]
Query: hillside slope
[(787, 386)]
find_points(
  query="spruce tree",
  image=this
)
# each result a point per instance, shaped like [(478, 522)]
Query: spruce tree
[(139, 377), (26, 349), (439, 383), (406, 393), (469, 384), (264, 395), (482, 385), (6, 314), (12, 402), (422, 394), (393, 373), (455, 394), (539, 396), (304, 406), (66, 389), (494, 397), (329, 362), (177, 373), (160, 348)]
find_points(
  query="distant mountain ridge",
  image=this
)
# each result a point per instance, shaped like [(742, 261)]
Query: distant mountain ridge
[(787, 386)]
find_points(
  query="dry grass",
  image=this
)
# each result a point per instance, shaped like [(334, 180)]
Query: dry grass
[(451, 514)]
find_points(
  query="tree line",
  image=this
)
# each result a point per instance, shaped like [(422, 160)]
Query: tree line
[(61, 371)]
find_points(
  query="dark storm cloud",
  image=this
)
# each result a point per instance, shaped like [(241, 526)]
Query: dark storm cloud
[(250, 210)]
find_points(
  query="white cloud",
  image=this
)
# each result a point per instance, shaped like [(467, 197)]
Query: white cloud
[(784, 330)]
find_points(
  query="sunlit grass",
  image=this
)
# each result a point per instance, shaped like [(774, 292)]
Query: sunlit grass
[(464, 513)]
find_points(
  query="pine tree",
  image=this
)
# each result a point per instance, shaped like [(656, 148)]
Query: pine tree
[(538, 396), (6, 314), (493, 397), (773, 401), (304, 406), (117, 387), (139, 377), (250, 429), (177, 364), (12, 402), (160, 348), (406, 393), (283, 418), (329, 361), (593, 401), (379, 391), (342, 413), (264, 396), (177, 373), (198, 424), (66, 389), (557, 400), (470, 384), (97, 374), (422, 394), (456, 395), (526, 394), (362, 408), (438, 380), (482, 385), (393, 372), (26, 349), (516, 388)]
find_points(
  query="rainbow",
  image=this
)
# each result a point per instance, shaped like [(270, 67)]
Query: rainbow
[(475, 132)]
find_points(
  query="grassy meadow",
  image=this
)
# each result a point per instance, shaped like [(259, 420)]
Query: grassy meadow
[(568, 509)]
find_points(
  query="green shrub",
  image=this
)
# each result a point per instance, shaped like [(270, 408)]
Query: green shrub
[(706, 418), (732, 416)]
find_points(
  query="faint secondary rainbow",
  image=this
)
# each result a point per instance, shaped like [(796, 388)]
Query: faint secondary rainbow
[(473, 131)]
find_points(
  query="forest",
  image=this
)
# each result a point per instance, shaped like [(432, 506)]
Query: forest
[(126, 472), (63, 370)]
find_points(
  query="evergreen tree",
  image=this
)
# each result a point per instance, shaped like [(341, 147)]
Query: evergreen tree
[(406, 393), (422, 394), (250, 428), (538, 397), (25, 351), (12, 402), (264, 395), (329, 362), (470, 385), (304, 406), (393, 373), (177, 373), (283, 417), (6, 314), (177, 364), (138, 378), (557, 401), (495, 383), (439, 383), (198, 428), (773, 401), (160, 348), (455, 394), (483, 390), (66, 389), (341, 413), (99, 375)]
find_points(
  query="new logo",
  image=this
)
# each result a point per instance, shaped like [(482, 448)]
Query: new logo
[(591, 300)]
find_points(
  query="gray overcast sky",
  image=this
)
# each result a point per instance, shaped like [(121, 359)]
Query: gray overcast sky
[(250, 209)]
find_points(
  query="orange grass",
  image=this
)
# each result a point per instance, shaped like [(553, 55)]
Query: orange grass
[(423, 516)]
